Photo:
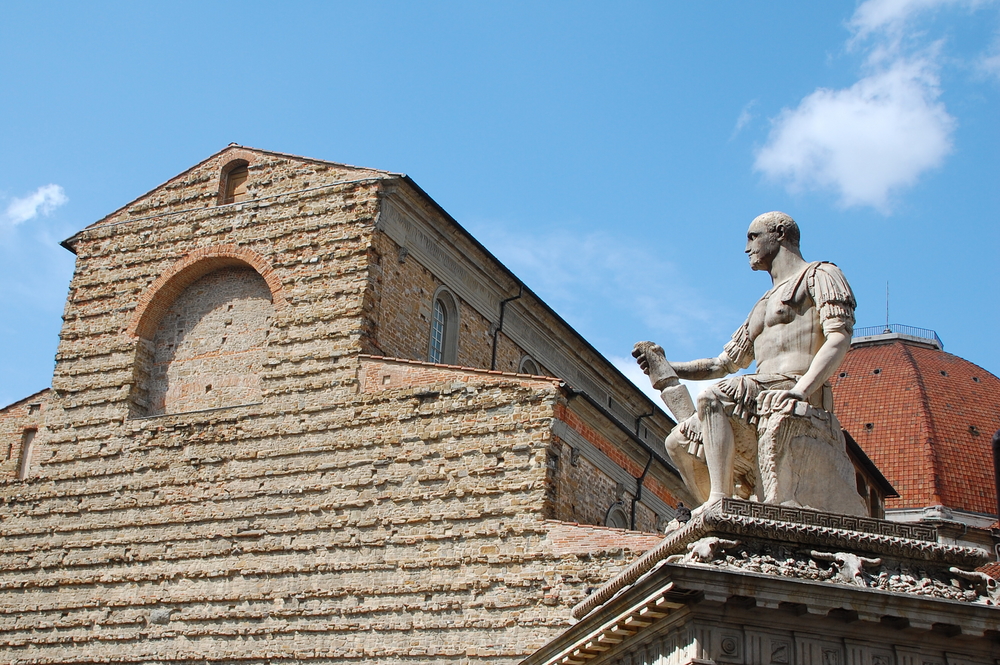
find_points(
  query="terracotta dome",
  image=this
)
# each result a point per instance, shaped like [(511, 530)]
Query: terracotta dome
[(925, 417)]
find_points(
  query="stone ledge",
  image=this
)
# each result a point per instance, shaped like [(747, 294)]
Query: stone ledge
[(792, 529)]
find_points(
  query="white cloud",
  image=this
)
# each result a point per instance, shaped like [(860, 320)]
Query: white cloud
[(891, 17), (989, 62), (871, 140), (744, 118), (863, 142), (42, 201)]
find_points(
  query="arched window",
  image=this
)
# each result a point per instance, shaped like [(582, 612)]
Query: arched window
[(443, 347), (616, 516), (233, 187), (207, 350), (528, 366)]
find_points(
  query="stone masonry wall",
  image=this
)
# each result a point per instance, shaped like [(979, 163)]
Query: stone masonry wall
[(326, 523), (584, 494), (20, 422), (404, 290), (397, 526), (208, 349), (576, 490)]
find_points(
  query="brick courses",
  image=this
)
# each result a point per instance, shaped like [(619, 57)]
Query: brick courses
[(341, 516)]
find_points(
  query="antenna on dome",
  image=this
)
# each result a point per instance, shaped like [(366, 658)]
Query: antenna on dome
[(887, 328)]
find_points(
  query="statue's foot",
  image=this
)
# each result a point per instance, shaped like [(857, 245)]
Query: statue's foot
[(708, 505), (654, 362), (672, 525)]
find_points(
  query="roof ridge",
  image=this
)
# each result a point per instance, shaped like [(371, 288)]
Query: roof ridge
[(927, 423), (478, 370), (25, 399), (605, 527)]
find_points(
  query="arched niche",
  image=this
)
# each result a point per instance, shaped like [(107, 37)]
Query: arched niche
[(233, 182), (202, 330)]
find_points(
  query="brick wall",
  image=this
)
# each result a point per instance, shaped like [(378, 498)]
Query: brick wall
[(209, 346), (334, 521), (403, 292), (21, 423)]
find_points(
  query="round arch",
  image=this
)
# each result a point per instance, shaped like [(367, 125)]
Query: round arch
[(161, 294)]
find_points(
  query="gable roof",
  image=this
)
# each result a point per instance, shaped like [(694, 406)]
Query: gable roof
[(233, 151)]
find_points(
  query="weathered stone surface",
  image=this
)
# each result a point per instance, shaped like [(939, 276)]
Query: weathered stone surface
[(318, 504), (802, 456)]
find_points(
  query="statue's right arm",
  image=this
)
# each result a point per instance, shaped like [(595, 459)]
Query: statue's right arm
[(705, 368)]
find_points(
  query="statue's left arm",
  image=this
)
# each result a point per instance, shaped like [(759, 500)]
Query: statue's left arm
[(835, 305)]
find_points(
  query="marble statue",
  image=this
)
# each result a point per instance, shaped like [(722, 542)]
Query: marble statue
[(770, 435)]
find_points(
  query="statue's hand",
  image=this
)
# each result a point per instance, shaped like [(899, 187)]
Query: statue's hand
[(770, 401), (654, 363), (639, 353)]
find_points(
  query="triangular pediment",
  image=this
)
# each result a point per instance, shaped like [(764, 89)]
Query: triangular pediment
[(270, 174)]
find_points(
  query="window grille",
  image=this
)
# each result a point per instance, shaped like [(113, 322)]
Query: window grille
[(438, 332)]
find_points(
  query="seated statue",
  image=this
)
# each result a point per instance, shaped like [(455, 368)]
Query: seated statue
[(734, 440)]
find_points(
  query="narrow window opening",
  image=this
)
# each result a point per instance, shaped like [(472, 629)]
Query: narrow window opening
[(438, 332), (443, 342), (528, 366), (233, 182), (236, 185), (27, 447)]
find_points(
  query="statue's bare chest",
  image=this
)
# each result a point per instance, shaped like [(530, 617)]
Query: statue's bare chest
[(770, 311)]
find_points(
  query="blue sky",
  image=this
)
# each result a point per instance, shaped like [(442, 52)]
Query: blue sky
[(611, 154)]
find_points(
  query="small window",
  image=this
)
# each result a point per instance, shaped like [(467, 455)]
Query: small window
[(27, 446), (234, 182), (616, 516), (528, 366), (443, 346)]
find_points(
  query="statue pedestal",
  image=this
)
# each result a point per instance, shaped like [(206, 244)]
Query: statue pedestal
[(750, 583)]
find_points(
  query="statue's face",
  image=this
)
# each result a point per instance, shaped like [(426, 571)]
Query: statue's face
[(762, 246)]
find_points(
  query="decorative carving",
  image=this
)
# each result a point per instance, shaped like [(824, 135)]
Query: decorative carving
[(704, 550), (778, 540), (809, 517), (849, 567), (985, 586), (803, 460)]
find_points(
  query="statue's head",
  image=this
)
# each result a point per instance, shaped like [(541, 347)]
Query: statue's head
[(767, 235)]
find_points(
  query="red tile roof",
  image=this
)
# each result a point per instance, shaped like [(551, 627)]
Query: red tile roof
[(926, 418), (991, 569)]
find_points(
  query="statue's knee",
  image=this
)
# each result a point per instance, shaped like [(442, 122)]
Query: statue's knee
[(709, 400), (675, 443)]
